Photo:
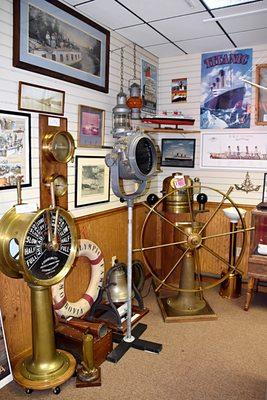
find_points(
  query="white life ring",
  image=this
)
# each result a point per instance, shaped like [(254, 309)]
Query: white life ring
[(65, 308)]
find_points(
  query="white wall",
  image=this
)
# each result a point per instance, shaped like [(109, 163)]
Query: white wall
[(75, 95), (190, 66)]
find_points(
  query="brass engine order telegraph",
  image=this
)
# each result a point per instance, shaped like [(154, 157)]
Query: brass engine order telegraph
[(191, 232), (40, 247)]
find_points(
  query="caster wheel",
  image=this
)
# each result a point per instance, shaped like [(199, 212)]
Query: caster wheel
[(28, 391), (56, 390)]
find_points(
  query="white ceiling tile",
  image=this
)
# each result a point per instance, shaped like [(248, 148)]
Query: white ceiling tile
[(250, 38), (73, 2), (164, 50), (109, 13), (187, 27), (157, 9), (202, 46), (242, 22), (142, 35)]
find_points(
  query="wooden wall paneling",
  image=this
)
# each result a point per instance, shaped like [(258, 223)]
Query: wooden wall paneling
[(109, 231)]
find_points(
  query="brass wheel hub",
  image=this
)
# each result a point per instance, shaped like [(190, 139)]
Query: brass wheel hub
[(194, 240)]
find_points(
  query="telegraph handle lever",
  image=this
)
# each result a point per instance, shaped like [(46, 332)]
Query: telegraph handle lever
[(19, 180)]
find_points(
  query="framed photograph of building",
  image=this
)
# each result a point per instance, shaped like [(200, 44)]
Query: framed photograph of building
[(92, 180), (41, 99), (91, 126), (178, 153), (5, 367), (243, 151), (261, 95), (53, 39), (15, 148)]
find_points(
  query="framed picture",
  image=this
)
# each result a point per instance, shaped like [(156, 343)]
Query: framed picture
[(226, 100), (149, 85), (179, 90), (41, 99), (92, 180), (264, 192), (91, 126), (15, 148), (244, 151), (5, 367), (261, 95), (178, 153), (51, 38)]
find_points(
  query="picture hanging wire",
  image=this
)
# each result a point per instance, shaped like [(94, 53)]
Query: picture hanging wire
[(251, 69)]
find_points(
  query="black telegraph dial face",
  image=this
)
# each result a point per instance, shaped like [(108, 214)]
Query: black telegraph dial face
[(43, 260), (144, 155)]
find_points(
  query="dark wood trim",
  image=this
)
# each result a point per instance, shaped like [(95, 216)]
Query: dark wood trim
[(40, 87), (41, 70)]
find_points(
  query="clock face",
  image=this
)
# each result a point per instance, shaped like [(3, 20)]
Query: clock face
[(61, 147), (43, 257)]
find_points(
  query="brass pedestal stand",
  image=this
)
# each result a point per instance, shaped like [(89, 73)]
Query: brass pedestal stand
[(46, 367), (231, 287), (188, 304)]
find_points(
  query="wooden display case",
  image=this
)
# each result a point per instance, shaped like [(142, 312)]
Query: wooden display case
[(257, 261)]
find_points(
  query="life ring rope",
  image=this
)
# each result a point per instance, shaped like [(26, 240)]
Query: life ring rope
[(65, 308)]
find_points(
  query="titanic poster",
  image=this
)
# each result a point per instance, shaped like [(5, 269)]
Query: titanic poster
[(225, 98)]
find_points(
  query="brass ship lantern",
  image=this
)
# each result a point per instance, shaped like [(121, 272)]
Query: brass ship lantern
[(39, 246)]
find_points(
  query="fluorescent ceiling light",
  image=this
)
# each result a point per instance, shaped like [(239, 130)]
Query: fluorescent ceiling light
[(212, 4), (213, 19)]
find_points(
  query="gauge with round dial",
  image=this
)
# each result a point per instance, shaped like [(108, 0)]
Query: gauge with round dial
[(59, 146), (60, 184), (48, 245)]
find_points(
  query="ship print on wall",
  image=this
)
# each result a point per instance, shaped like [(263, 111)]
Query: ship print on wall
[(225, 98)]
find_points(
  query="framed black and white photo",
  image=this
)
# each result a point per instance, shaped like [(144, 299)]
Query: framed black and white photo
[(41, 99), (92, 180), (5, 367), (178, 153), (53, 39), (15, 148)]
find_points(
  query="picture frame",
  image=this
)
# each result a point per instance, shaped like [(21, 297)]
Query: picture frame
[(178, 153), (92, 180), (91, 126), (179, 90), (264, 190), (15, 148), (261, 95), (149, 86), (233, 151), (5, 366), (41, 99), (53, 39)]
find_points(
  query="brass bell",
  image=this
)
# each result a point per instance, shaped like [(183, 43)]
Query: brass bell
[(118, 284)]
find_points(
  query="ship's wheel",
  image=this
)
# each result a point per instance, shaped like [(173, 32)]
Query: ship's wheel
[(194, 233)]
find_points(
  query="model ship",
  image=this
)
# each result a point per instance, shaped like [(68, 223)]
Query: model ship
[(165, 119), (179, 157), (240, 155)]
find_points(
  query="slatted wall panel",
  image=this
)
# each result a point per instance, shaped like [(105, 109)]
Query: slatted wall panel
[(75, 95), (190, 66)]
